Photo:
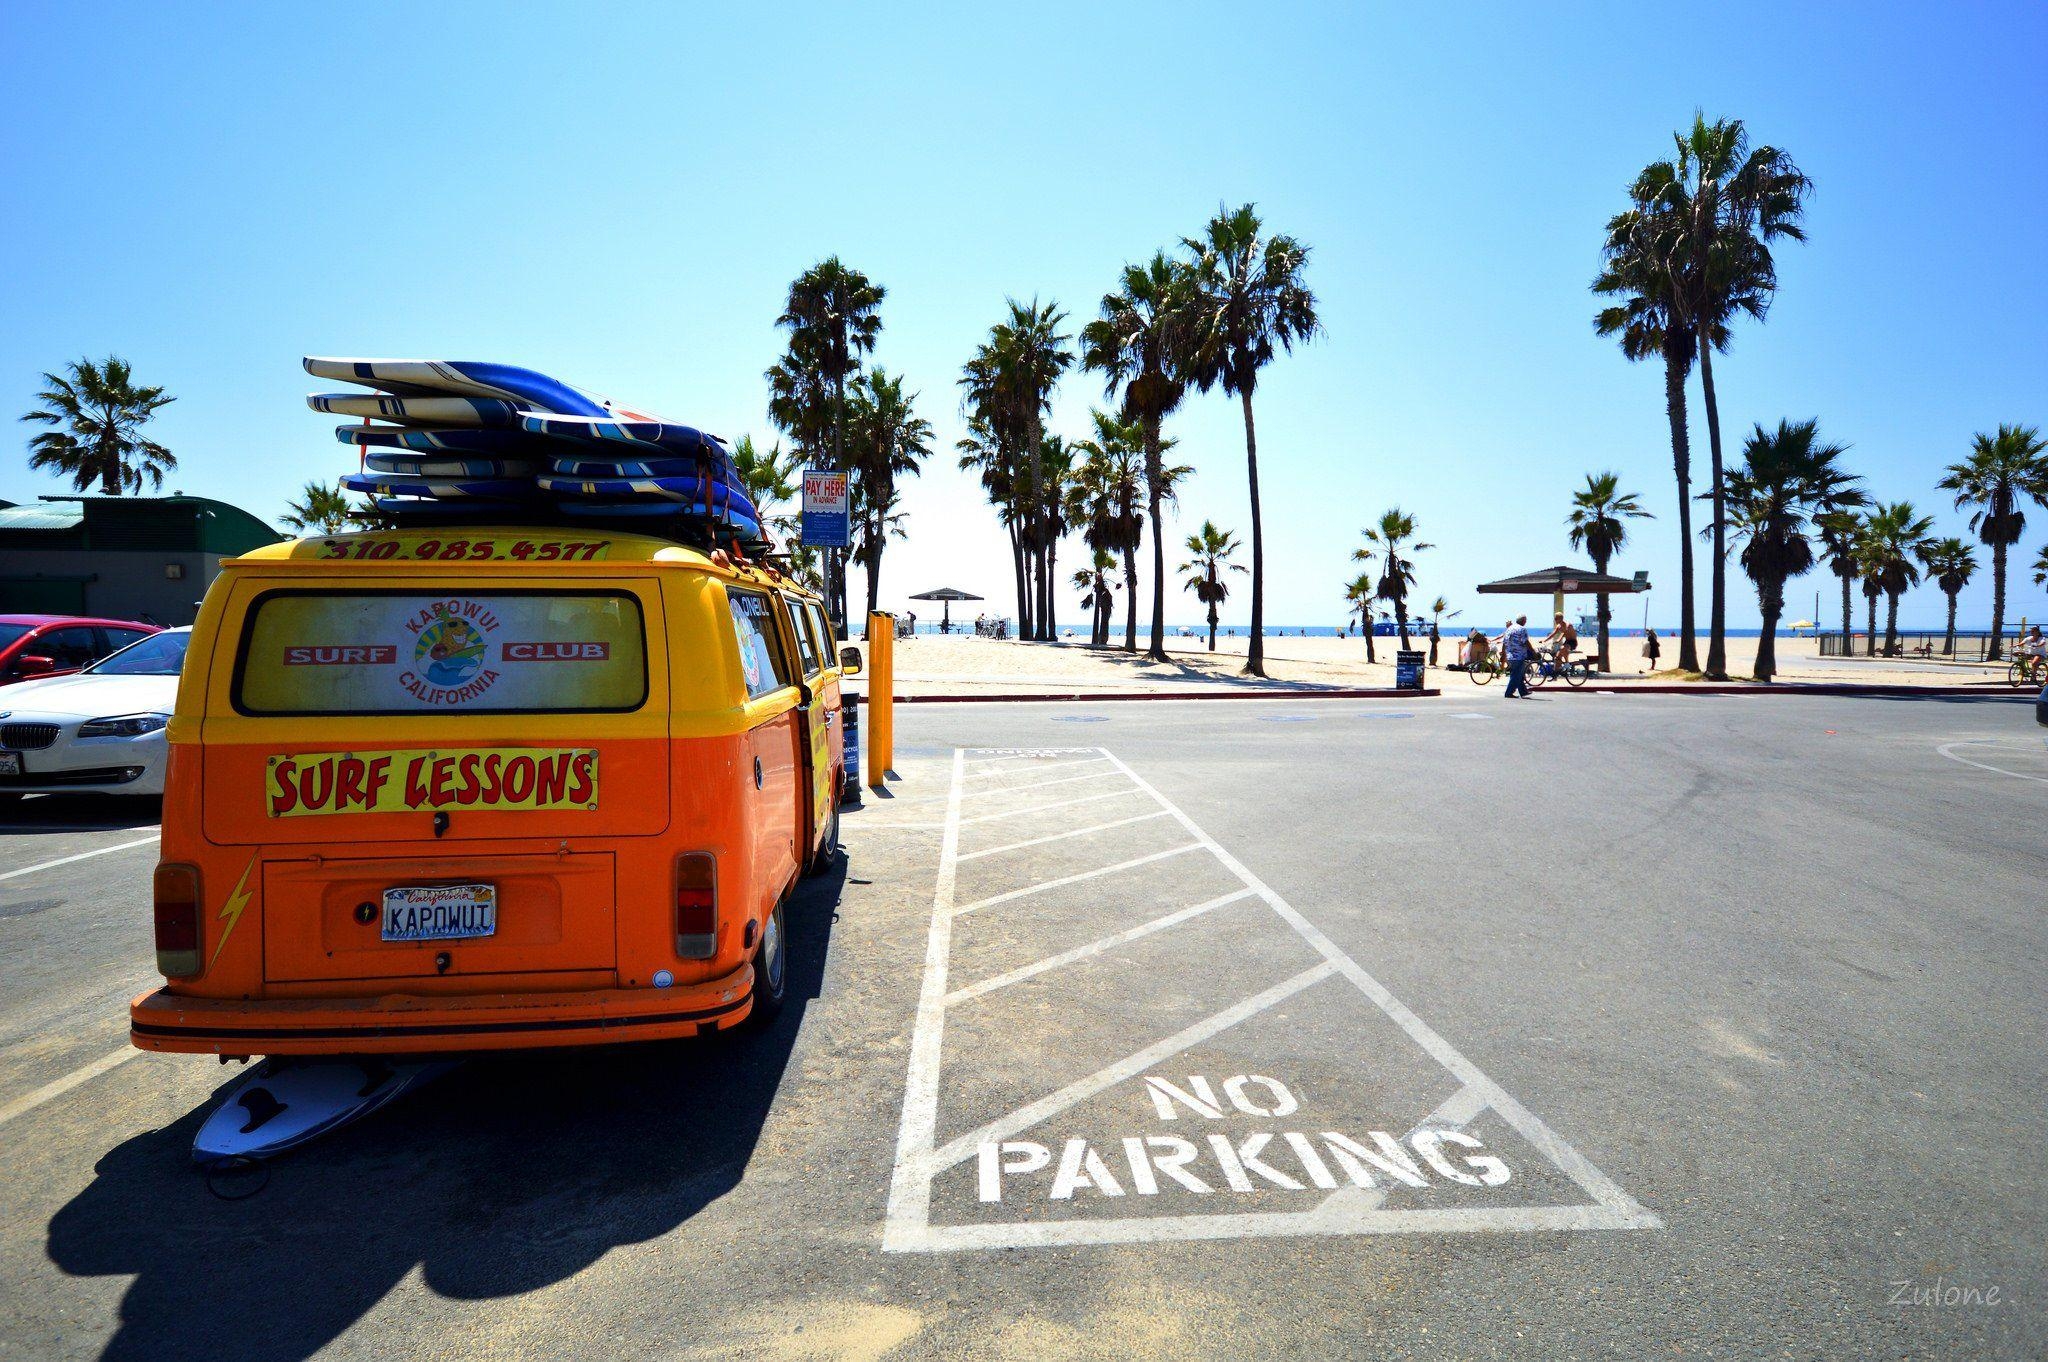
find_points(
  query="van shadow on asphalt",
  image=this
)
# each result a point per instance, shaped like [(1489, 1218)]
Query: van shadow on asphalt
[(78, 813), (507, 1175)]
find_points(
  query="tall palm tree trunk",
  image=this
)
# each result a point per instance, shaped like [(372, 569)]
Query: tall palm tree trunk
[(1948, 645), (1997, 603), (1255, 655), (1891, 622), (1052, 561), (1601, 615), (1848, 608), (1772, 599), (1871, 648), (1023, 594), (1370, 659), (1717, 601), (1155, 472), (1681, 464), (1401, 620), (1130, 600)]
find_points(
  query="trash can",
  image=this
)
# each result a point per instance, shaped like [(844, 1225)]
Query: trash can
[(849, 715), (1408, 669)]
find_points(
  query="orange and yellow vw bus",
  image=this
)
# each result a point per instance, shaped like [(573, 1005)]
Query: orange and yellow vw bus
[(488, 789)]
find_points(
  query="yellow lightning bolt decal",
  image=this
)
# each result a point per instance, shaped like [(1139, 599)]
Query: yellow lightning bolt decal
[(231, 911)]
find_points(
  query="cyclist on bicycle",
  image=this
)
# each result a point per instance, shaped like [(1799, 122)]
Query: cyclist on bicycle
[(1560, 641), (2031, 645)]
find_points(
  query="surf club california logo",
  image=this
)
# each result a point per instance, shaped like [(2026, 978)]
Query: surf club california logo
[(449, 650)]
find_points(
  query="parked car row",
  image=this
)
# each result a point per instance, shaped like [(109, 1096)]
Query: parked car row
[(96, 727)]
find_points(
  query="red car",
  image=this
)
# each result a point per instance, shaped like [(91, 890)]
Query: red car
[(34, 646)]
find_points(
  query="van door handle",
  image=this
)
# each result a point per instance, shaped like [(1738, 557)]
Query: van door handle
[(757, 773)]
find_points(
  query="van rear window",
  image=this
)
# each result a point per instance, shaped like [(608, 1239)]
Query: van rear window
[(411, 652)]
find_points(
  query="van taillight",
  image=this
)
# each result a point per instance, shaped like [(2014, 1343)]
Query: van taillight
[(697, 905), (177, 920)]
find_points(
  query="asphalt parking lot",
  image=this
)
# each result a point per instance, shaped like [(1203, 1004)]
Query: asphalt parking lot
[(1586, 1026)]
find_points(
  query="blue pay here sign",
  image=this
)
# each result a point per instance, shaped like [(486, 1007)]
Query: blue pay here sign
[(826, 523)]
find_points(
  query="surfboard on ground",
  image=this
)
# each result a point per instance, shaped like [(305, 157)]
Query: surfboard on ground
[(422, 411), (463, 378), (284, 1103)]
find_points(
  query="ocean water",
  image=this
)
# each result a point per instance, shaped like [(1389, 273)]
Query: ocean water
[(1451, 628)]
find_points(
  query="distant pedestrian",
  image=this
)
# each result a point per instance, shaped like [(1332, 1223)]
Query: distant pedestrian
[(1515, 644), (1650, 650)]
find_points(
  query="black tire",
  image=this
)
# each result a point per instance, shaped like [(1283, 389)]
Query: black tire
[(1575, 673), (2017, 673), (1482, 673), (1534, 671), (771, 971)]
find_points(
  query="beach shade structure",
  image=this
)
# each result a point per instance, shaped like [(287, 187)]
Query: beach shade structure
[(1560, 582), (947, 595)]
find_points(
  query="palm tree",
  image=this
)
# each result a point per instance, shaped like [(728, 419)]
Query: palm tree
[(2041, 567), (1397, 574), (1841, 531), (1132, 345), (1437, 610), (1359, 595), (1598, 524), (990, 454), (770, 479), (833, 315), (1770, 499), (1212, 549), (890, 440), (1098, 593), (320, 509), (1056, 467), (1008, 384), (2004, 472), (1729, 202), (1892, 539), (1950, 564), (1114, 484), (1246, 295), (1647, 322), (97, 415)]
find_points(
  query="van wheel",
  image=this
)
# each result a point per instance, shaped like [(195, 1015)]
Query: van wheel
[(822, 861), (771, 970)]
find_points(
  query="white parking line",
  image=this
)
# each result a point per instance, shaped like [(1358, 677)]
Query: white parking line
[(1065, 880), (81, 856), (21, 1106), (1040, 784), (1056, 766), (1045, 808), (920, 1161), (1060, 836), (1983, 766), (1157, 924)]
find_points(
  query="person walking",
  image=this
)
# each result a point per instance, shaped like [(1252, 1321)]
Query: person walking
[(1650, 650), (1515, 645)]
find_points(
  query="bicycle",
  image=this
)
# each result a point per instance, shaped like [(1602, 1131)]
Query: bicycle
[(2025, 670), (1483, 671), (1575, 670)]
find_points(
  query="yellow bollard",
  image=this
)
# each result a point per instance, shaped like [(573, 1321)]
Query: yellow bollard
[(881, 728)]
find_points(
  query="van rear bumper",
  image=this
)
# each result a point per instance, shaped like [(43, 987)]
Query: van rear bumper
[(413, 1024)]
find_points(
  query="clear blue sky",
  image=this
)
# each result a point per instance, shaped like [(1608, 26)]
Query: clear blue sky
[(620, 194)]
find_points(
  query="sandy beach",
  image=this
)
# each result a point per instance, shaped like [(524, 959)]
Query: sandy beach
[(930, 664)]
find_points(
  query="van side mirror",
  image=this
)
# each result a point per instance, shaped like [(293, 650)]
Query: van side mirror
[(849, 661), (34, 666)]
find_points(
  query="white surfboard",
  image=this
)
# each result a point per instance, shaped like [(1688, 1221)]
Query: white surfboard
[(284, 1103), (427, 410)]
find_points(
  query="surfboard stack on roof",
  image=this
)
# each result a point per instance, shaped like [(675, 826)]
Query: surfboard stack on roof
[(445, 441)]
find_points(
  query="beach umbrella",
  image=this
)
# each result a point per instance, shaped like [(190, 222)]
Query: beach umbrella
[(1561, 581), (947, 595)]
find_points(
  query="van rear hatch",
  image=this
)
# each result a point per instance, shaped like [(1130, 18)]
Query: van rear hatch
[(436, 713)]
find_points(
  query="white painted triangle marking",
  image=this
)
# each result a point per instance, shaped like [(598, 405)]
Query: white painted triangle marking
[(908, 1227)]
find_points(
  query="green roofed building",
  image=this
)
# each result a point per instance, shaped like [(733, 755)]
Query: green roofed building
[(141, 558)]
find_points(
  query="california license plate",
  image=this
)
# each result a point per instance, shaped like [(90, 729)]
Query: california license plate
[(10, 763), (440, 912)]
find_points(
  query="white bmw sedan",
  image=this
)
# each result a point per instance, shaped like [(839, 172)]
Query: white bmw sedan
[(98, 731)]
